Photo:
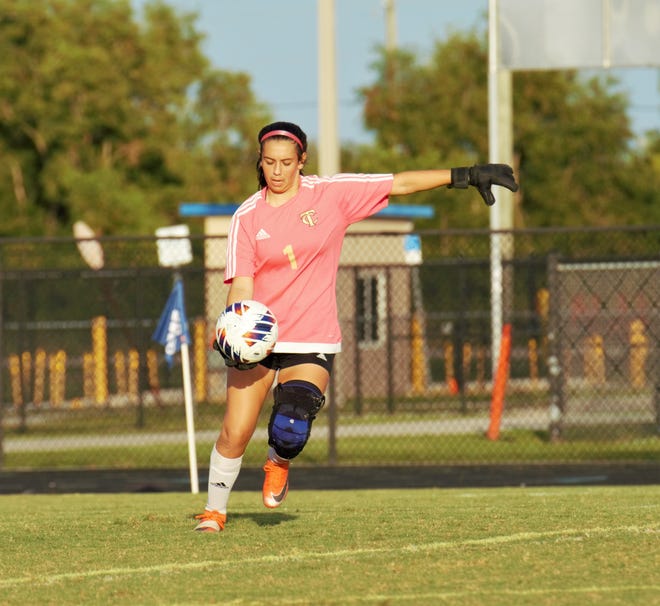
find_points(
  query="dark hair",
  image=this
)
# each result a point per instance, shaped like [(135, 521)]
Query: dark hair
[(280, 130)]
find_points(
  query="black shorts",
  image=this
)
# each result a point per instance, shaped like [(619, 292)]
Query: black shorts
[(277, 361)]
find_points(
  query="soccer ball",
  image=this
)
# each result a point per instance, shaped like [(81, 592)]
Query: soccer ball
[(246, 331)]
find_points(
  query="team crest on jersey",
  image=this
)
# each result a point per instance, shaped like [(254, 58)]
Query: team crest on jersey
[(309, 218)]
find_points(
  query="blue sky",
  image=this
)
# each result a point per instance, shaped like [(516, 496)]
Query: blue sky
[(275, 42)]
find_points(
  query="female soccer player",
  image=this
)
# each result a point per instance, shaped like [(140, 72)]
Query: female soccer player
[(283, 250)]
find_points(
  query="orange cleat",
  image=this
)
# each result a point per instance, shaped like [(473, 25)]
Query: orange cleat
[(276, 483), (211, 521)]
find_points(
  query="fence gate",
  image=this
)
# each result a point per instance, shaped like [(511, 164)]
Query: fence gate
[(604, 344)]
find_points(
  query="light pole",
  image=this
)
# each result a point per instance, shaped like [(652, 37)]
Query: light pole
[(327, 86)]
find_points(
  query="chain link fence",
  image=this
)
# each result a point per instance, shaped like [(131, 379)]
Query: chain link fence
[(83, 385)]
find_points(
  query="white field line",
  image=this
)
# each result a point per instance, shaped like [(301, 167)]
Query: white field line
[(339, 554), (444, 595), (523, 419)]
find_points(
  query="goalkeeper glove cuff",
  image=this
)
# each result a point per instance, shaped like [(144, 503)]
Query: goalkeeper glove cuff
[(460, 177)]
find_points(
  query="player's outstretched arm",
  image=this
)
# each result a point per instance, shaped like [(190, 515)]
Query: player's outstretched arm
[(481, 176), (412, 181)]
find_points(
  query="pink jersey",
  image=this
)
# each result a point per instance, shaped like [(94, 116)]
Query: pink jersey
[(292, 252)]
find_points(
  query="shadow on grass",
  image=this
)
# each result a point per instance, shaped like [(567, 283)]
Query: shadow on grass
[(263, 519)]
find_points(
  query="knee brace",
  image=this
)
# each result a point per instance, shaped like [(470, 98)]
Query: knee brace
[(296, 406)]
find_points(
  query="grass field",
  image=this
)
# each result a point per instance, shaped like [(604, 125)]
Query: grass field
[(554, 546)]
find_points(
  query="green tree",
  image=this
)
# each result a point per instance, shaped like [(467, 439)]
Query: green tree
[(113, 118), (572, 139)]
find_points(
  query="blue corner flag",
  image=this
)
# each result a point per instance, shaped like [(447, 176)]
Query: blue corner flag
[(172, 330)]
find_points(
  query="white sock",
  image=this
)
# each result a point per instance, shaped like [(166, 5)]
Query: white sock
[(222, 475), (275, 458)]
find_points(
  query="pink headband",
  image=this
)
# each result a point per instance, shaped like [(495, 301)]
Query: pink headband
[(283, 133)]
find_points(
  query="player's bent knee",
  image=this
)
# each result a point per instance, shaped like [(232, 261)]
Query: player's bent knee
[(233, 441), (296, 405)]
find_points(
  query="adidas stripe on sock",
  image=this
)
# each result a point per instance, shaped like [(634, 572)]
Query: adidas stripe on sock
[(222, 475)]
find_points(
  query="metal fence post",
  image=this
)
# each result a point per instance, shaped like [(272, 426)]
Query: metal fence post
[(357, 360), (555, 369), (332, 420), (392, 345), (655, 373), (2, 369)]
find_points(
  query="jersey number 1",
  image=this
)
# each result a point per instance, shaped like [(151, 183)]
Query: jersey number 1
[(288, 251)]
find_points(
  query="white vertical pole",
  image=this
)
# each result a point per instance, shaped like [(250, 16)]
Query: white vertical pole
[(190, 422), (391, 41), (327, 86), (607, 34), (493, 151)]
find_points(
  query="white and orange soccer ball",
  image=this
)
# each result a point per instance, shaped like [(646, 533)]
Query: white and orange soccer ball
[(246, 331)]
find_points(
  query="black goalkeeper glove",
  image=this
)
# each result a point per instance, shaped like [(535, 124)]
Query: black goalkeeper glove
[(230, 362), (482, 176)]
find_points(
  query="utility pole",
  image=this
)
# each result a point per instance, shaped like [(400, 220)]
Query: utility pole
[(500, 150), (390, 46), (327, 86), (391, 40)]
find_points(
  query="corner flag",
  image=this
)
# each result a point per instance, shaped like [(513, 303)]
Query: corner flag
[(172, 330)]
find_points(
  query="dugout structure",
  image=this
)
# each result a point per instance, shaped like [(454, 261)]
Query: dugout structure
[(604, 348)]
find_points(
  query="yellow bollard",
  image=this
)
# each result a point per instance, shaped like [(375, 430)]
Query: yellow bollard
[(100, 351), (88, 376), (543, 303), (639, 351), (15, 375), (52, 378), (134, 375), (26, 373), (594, 360), (200, 359), (152, 370), (39, 377), (57, 368), (60, 368), (121, 379), (419, 378)]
